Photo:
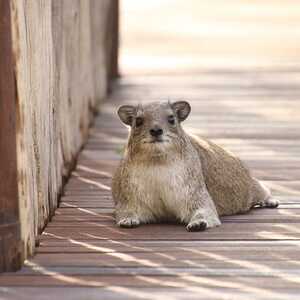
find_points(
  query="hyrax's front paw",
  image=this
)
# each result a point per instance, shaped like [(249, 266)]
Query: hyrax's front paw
[(129, 222), (197, 225)]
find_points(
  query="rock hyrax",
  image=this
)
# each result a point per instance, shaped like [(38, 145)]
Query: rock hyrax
[(167, 174)]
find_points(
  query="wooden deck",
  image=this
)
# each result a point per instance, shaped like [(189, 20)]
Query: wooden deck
[(83, 255)]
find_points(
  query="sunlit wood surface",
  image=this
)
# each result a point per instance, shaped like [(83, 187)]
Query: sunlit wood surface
[(255, 115), (248, 102)]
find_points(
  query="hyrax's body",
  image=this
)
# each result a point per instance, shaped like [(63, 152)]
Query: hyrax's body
[(168, 175)]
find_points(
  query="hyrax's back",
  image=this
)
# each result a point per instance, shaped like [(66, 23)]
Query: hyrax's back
[(228, 181)]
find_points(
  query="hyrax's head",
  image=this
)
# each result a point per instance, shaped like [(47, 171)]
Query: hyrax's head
[(155, 128)]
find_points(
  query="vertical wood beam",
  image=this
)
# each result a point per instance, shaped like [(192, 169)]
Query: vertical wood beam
[(10, 251), (113, 35)]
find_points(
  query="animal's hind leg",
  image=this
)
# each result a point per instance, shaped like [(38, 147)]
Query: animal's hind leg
[(269, 203), (264, 193)]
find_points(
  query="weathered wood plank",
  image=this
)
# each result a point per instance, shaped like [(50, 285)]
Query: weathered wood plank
[(153, 245), (184, 257), (10, 240), (162, 249), (167, 281), (61, 55), (120, 293)]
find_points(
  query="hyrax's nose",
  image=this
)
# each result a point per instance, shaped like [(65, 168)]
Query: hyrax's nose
[(156, 131)]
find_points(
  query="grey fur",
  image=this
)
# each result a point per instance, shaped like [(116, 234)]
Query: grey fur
[(179, 177)]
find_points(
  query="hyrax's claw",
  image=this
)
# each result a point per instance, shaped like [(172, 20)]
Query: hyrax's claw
[(199, 225), (129, 223)]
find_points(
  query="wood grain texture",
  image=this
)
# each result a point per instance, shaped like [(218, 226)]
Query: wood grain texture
[(252, 254), (61, 49), (10, 243)]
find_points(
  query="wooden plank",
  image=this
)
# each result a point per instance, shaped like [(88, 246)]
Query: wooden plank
[(167, 281), (185, 258), (10, 243), (94, 214), (113, 50), (121, 293), (137, 244), (94, 247), (171, 246), (58, 98), (228, 231)]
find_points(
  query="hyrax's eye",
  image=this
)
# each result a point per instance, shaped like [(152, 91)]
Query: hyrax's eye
[(171, 119), (139, 121)]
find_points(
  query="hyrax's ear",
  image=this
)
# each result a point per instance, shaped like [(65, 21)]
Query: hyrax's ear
[(126, 114), (182, 109)]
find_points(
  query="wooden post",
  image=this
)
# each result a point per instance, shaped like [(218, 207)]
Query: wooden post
[(10, 250), (113, 41), (114, 71)]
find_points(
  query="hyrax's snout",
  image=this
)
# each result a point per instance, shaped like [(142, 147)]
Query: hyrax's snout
[(156, 131)]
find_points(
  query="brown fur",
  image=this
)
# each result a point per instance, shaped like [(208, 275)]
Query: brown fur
[(178, 176)]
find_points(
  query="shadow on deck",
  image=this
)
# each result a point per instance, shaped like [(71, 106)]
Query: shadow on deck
[(255, 255)]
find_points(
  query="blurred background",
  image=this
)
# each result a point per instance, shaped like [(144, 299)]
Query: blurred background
[(178, 37)]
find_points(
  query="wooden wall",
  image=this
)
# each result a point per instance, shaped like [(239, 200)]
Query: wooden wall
[(61, 51), (10, 247)]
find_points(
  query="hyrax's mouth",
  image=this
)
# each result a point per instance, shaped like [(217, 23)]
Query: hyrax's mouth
[(156, 141)]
